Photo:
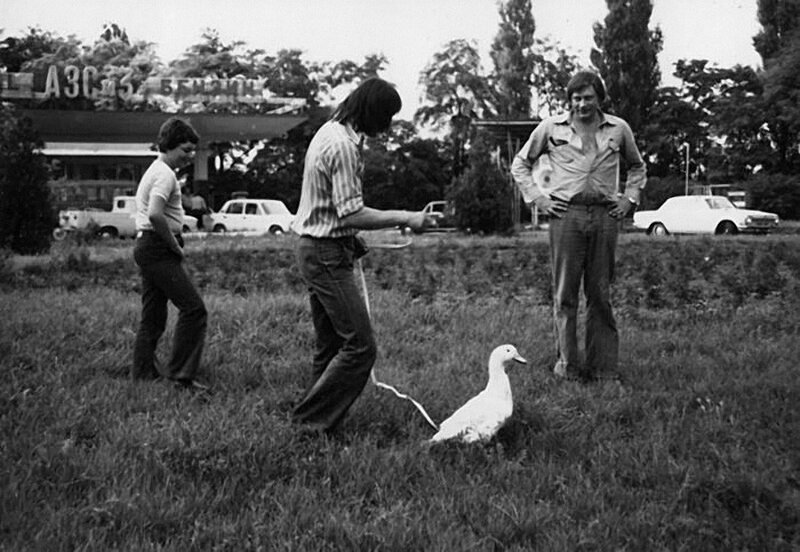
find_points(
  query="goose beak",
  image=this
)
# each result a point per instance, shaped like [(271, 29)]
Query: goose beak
[(519, 359)]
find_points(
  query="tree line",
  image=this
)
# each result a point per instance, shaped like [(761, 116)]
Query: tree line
[(741, 123)]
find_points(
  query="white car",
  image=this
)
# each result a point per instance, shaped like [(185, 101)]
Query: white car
[(703, 214), (252, 215), (443, 213)]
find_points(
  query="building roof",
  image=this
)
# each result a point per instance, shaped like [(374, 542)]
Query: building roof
[(509, 130), (94, 149), (141, 127)]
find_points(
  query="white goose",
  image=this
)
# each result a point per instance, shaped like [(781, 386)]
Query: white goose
[(482, 415)]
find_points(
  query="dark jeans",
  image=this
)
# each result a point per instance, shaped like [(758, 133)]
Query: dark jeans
[(582, 248), (164, 279), (345, 349)]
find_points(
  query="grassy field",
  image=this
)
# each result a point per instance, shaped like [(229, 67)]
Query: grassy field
[(701, 451)]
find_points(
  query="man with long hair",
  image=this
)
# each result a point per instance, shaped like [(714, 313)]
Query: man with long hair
[(159, 254), (584, 148), (329, 216)]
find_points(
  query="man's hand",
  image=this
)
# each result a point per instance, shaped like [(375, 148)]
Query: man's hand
[(418, 221), (553, 206), (622, 208)]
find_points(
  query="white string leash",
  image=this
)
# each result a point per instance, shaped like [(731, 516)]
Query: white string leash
[(372, 373)]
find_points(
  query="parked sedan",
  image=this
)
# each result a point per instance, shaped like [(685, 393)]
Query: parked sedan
[(703, 214), (443, 214), (252, 215)]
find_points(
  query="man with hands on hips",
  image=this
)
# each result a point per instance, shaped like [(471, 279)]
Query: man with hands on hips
[(570, 169)]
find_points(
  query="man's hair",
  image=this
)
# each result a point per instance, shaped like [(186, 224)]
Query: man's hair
[(582, 79), (174, 132), (370, 107)]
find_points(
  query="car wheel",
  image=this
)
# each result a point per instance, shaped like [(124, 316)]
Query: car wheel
[(59, 234), (219, 228), (727, 228), (275, 230), (659, 229), (108, 232)]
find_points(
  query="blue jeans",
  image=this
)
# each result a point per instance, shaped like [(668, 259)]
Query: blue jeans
[(582, 248), (345, 348), (164, 279)]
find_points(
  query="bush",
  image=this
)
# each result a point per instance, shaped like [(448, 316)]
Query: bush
[(775, 193), (26, 215), (482, 196), (658, 190)]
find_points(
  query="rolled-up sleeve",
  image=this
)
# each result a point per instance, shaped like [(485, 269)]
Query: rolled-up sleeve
[(522, 165)]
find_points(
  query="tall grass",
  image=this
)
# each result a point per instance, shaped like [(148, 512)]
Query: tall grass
[(699, 452)]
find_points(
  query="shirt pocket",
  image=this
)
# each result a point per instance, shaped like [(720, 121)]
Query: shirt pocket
[(559, 147), (612, 150)]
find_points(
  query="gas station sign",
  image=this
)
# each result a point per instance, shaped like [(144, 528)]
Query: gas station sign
[(88, 82)]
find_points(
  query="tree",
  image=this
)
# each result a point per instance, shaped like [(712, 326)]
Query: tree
[(778, 44), (782, 98), (779, 20), (482, 194), (513, 59), (16, 52), (454, 84), (553, 66), (627, 58), (123, 67), (26, 215)]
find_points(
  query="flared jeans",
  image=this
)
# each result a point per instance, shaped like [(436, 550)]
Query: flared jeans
[(165, 279), (345, 348), (582, 249)]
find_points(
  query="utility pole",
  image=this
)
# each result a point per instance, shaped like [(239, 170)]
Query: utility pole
[(685, 145)]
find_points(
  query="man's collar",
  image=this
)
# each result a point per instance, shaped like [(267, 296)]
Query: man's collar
[(565, 118), (355, 136)]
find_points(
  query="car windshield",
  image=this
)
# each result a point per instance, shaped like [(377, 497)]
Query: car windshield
[(719, 203)]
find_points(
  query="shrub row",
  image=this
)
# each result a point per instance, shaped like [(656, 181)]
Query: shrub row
[(701, 273)]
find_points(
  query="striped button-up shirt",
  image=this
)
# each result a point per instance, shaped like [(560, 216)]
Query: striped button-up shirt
[(564, 170), (332, 182)]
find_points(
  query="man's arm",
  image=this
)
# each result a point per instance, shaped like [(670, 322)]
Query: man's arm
[(637, 171), (637, 175), (521, 170), (368, 218)]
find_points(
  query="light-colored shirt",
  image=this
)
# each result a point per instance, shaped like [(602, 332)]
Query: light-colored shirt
[(159, 180), (332, 182), (553, 161)]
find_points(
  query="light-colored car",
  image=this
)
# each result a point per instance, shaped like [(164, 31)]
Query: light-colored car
[(120, 222), (703, 214), (252, 215), (444, 214)]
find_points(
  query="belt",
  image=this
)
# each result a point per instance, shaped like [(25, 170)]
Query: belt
[(328, 238), (584, 198)]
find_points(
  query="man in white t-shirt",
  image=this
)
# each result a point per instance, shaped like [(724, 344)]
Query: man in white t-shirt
[(159, 255)]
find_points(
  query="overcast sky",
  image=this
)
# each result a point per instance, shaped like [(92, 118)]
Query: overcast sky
[(407, 32)]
